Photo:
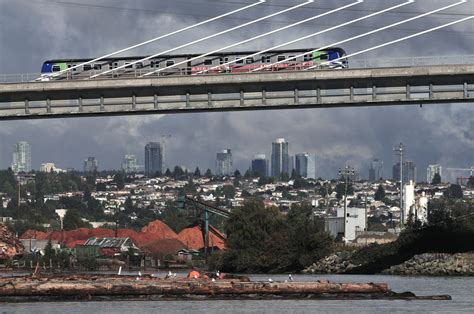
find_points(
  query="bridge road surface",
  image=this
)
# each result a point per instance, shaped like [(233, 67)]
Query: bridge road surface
[(238, 92)]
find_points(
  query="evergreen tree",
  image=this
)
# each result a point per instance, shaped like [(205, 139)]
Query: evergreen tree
[(436, 179), (470, 183), (197, 172), (168, 172), (208, 173), (237, 174), (380, 193), (454, 191), (119, 180)]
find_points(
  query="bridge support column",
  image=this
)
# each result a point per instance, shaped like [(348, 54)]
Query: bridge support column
[(155, 102), (352, 93), (209, 99), (264, 97), (297, 97), (134, 102), (374, 93), (431, 92), (466, 91), (81, 109), (408, 92), (27, 106), (318, 95), (102, 105), (242, 99), (48, 105), (188, 100)]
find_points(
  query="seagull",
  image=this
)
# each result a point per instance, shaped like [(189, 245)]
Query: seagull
[(139, 273), (290, 278), (270, 280)]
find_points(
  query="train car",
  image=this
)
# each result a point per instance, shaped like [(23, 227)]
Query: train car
[(331, 58)]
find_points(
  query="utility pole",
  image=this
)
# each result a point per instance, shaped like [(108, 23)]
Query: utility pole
[(346, 174), (399, 151)]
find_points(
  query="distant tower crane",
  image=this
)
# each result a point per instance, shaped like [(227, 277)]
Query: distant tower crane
[(471, 170)]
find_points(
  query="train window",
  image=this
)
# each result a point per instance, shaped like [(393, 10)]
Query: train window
[(113, 65), (169, 63), (266, 59), (208, 62), (139, 65), (97, 66), (324, 57), (239, 61), (249, 60), (223, 60), (87, 67), (281, 58), (154, 64), (291, 58), (56, 68), (128, 65), (308, 57)]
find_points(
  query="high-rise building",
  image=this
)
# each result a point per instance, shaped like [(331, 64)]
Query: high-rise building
[(376, 170), (91, 165), (224, 165), (305, 166), (431, 171), (280, 158), (130, 164), (153, 158), (409, 172), (260, 165), (21, 158)]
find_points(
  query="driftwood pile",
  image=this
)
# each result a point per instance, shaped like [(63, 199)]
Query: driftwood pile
[(105, 287)]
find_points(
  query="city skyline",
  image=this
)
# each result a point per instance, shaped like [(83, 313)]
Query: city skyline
[(130, 164)]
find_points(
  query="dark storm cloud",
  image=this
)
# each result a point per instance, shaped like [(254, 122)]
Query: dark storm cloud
[(35, 30)]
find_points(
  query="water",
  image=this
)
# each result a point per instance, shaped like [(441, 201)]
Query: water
[(460, 288)]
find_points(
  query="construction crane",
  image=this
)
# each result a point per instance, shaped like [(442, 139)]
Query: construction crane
[(471, 170)]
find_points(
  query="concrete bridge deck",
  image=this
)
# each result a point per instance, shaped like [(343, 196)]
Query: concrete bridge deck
[(233, 92)]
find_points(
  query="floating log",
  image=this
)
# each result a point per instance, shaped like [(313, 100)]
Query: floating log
[(106, 287)]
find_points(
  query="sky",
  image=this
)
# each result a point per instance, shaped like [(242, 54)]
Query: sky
[(32, 31)]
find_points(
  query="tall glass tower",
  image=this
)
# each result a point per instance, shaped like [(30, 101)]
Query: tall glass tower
[(153, 158), (21, 158), (224, 165), (280, 158)]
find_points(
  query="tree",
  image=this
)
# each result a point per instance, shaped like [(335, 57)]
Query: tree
[(72, 220), (237, 174), (168, 172), (340, 187), (197, 172), (252, 232), (208, 174), (228, 191), (454, 191), (308, 242), (436, 179), (470, 183), (119, 180), (178, 172), (380, 193)]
